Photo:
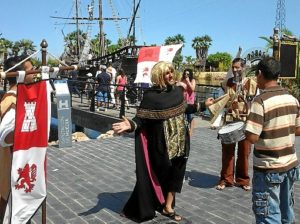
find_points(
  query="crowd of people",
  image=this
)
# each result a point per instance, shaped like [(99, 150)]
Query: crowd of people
[(163, 126), (108, 87)]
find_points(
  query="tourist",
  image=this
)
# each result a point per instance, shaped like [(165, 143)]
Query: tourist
[(272, 124), (188, 83), (112, 72), (73, 83), (89, 86), (121, 82), (103, 88)]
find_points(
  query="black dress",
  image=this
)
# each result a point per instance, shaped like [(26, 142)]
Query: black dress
[(157, 173)]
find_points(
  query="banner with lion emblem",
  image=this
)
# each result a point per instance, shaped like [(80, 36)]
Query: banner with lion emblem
[(28, 173)]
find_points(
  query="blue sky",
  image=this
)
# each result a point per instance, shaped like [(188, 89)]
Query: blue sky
[(230, 23)]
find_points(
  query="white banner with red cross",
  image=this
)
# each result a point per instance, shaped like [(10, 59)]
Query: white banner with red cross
[(149, 56), (28, 172)]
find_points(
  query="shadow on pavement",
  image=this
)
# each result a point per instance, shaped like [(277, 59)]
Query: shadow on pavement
[(201, 180), (110, 201)]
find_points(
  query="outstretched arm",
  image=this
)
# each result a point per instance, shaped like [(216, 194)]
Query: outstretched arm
[(201, 106), (121, 127)]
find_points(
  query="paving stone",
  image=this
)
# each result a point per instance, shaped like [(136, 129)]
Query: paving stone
[(91, 181)]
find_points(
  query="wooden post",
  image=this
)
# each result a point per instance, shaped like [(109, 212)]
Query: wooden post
[(5, 80), (122, 107), (44, 46)]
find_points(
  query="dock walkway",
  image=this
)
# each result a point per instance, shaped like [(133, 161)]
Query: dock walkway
[(91, 181)]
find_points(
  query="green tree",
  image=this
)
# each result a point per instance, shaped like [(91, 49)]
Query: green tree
[(26, 46), (201, 44), (95, 45), (53, 62), (23, 46), (71, 40), (110, 48), (189, 62), (177, 39), (5, 46), (36, 62), (220, 60)]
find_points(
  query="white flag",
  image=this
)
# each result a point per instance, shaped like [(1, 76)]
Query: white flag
[(149, 56), (28, 172)]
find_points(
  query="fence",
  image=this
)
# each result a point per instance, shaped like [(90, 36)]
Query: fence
[(130, 97)]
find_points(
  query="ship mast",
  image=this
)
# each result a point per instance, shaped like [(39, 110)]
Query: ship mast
[(77, 29), (101, 34), (102, 44), (133, 32), (132, 25)]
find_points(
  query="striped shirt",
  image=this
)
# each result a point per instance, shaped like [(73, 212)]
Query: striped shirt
[(274, 115)]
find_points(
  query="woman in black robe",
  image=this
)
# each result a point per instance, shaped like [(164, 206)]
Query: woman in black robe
[(161, 146)]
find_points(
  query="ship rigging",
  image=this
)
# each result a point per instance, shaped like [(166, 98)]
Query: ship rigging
[(80, 52)]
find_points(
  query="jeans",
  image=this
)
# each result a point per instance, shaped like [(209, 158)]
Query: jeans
[(102, 96), (272, 196)]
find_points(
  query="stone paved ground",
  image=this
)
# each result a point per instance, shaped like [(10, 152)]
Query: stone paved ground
[(90, 183)]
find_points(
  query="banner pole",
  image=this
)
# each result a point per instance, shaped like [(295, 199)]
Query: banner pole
[(44, 46)]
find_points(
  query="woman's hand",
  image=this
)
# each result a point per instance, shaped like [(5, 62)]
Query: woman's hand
[(187, 78), (120, 127)]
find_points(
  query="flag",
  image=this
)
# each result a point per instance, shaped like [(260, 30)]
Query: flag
[(28, 172), (149, 56)]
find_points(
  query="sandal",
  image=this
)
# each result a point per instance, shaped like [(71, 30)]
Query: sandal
[(220, 187), (246, 187), (171, 215)]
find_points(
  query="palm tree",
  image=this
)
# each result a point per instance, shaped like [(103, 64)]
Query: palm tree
[(189, 60), (26, 46), (71, 40), (177, 39), (5, 47), (16, 48), (201, 45)]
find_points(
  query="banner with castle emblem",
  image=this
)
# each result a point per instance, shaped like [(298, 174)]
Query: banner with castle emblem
[(149, 56), (28, 174)]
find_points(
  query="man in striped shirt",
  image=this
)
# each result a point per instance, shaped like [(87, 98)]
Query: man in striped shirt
[(271, 126)]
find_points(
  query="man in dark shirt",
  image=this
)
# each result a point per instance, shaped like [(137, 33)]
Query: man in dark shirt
[(103, 80)]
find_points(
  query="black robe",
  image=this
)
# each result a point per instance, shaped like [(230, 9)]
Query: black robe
[(156, 107)]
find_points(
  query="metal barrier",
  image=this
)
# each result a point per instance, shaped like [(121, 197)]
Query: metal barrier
[(131, 93)]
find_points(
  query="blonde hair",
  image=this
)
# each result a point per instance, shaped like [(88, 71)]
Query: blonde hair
[(158, 71)]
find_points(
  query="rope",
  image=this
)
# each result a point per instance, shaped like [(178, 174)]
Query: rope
[(30, 56), (60, 61), (115, 19)]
